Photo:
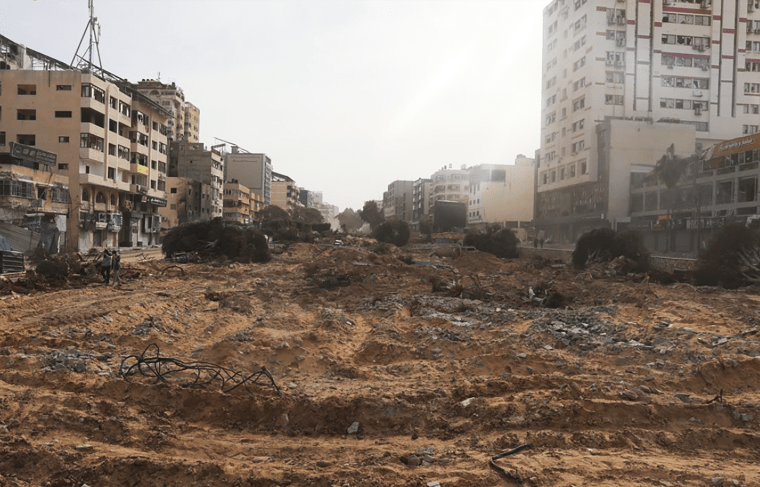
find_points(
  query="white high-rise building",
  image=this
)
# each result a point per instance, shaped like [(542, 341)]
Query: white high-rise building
[(686, 70)]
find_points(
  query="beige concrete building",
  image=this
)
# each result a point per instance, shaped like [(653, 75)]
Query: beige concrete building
[(668, 62), (450, 185), (110, 142), (501, 194), (284, 192), (184, 122), (252, 170), (237, 203), (197, 163)]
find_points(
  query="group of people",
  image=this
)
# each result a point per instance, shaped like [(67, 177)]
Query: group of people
[(111, 261)]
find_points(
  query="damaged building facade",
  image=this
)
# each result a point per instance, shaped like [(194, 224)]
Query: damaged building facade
[(195, 184), (33, 197), (684, 72), (109, 139)]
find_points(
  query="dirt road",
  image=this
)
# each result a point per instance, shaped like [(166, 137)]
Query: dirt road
[(395, 369)]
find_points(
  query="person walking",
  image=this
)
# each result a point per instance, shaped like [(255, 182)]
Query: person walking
[(105, 265), (116, 266)]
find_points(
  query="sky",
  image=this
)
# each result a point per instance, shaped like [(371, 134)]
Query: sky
[(345, 96)]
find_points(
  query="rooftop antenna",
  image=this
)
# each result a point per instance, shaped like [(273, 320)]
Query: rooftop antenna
[(85, 64)]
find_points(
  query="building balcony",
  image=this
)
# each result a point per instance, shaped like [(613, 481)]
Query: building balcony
[(91, 128), (95, 180), (92, 155)]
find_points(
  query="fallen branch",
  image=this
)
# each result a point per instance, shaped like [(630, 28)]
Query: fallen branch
[(516, 477), (173, 267)]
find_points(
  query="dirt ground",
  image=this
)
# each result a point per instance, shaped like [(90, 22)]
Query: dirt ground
[(396, 368)]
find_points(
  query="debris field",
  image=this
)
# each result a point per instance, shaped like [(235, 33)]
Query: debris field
[(370, 365)]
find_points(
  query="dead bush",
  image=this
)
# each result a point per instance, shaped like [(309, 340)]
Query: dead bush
[(394, 232), (215, 239), (604, 245), (732, 258), (501, 243)]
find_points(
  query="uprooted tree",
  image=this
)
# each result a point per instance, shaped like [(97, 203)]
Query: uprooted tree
[(732, 258), (216, 239), (371, 214), (395, 232), (500, 242), (605, 244)]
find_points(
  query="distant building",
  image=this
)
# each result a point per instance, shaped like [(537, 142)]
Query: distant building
[(284, 192), (450, 185), (397, 201), (501, 194), (197, 163), (184, 122), (254, 171), (237, 203), (421, 200)]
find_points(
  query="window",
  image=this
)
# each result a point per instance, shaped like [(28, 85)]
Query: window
[(92, 91), (63, 167), (26, 114), (615, 58), (579, 84), (613, 99), (19, 189), (615, 77), (579, 104), (63, 88), (27, 89), (174, 191), (111, 149), (112, 173), (62, 114), (751, 87), (583, 167), (64, 139), (749, 129), (90, 141), (26, 139), (2, 138), (579, 63), (114, 103), (753, 66)]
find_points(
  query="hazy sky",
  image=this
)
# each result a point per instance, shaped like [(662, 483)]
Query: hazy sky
[(344, 96)]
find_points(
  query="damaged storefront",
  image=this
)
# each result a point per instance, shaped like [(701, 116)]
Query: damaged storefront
[(142, 222)]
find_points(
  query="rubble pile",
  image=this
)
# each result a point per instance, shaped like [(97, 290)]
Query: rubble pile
[(388, 366)]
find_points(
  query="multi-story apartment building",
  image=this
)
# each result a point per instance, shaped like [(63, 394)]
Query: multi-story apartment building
[(450, 185), (237, 203), (397, 201), (675, 63), (501, 194), (206, 166), (421, 200), (109, 139), (184, 122), (284, 192), (252, 170)]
